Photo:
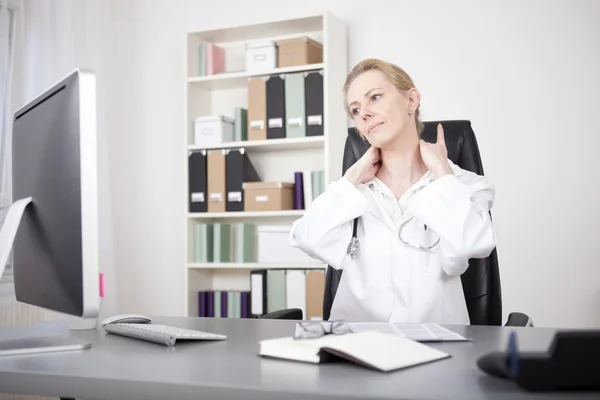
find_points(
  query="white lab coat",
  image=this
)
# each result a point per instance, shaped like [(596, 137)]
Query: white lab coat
[(388, 280)]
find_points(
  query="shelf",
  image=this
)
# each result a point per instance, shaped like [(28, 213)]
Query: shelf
[(255, 266), (239, 80), (262, 30), (309, 142), (246, 214)]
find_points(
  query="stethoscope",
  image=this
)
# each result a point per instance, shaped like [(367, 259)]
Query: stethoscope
[(353, 245)]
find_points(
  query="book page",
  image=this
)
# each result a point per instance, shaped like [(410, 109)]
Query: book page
[(418, 332), (383, 352), (296, 349)]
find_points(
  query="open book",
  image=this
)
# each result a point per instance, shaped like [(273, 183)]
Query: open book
[(375, 350)]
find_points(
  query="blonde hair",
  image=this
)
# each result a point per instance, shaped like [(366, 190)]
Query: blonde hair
[(399, 78)]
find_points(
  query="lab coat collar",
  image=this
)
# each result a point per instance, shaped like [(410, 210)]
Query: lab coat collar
[(375, 207)]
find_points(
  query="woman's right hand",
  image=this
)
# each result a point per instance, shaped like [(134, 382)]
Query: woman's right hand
[(365, 168)]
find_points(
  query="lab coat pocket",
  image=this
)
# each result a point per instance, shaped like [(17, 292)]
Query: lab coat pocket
[(426, 243)]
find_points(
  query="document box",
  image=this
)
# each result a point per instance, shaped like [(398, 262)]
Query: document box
[(261, 56), (213, 130), (274, 247), (299, 51), (268, 196)]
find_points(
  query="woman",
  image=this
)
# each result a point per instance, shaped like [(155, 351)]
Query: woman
[(421, 218)]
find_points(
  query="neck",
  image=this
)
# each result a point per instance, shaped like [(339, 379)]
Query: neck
[(401, 161)]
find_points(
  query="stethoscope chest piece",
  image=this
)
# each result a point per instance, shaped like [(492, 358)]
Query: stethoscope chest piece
[(352, 247)]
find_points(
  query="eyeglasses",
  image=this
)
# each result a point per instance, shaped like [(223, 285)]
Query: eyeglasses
[(422, 238), (313, 330)]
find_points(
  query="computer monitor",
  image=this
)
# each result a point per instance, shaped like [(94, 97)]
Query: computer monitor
[(53, 223)]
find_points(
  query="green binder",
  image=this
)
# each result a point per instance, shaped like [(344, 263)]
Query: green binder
[(203, 243), (217, 304), (241, 125), (318, 183), (237, 304), (201, 61), (222, 243), (245, 242), (276, 299), (295, 112), (230, 304)]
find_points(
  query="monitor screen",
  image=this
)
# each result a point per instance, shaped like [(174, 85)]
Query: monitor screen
[(55, 257)]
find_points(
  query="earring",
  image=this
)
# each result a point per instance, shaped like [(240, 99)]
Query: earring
[(409, 110)]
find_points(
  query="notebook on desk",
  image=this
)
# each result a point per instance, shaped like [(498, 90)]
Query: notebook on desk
[(374, 350)]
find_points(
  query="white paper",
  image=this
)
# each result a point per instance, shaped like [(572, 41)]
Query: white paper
[(9, 229), (418, 332)]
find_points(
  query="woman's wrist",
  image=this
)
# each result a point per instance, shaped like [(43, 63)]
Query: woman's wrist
[(351, 176), (441, 169)]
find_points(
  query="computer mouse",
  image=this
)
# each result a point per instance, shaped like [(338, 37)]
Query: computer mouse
[(127, 318)]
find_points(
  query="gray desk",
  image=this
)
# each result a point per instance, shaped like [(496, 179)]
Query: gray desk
[(122, 368)]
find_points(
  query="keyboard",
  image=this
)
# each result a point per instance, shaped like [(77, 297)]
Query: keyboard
[(161, 334)]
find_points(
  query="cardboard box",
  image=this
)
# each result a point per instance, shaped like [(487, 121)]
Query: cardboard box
[(299, 51), (268, 196)]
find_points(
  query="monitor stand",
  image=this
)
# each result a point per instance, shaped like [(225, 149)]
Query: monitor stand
[(9, 229), (41, 344)]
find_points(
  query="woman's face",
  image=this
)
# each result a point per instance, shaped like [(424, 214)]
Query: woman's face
[(380, 111)]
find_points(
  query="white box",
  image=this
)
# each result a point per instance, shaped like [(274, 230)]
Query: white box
[(261, 56), (274, 247), (212, 130)]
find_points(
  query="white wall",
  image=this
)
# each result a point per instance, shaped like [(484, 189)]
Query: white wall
[(525, 74)]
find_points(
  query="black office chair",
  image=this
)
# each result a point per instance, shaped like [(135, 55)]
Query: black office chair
[(481, 281)]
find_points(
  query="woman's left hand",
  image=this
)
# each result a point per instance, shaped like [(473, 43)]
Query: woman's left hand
[(435, 155)]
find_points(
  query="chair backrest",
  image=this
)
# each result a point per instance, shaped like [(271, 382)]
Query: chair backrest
[(481, 281)]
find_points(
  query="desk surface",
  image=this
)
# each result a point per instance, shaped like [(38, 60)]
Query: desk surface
[(122, 368)]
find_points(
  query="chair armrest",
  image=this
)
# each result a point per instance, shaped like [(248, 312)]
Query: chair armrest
[(290, 313), (519, 319)]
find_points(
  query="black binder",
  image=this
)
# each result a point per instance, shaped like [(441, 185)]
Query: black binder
[(238, 169), (276, 107), (197, 181), (313, 95)]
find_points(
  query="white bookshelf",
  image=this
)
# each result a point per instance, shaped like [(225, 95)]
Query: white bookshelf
[(246, 214), (237, 80), (274, 159)]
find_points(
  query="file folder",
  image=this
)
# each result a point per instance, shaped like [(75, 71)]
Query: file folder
[(197, 182), (240, 132), (257, 108), (224, 305), (238, 169), (258, 292), (203, 243), (313, 93), (276, 107), (315, 285), (221, 242), (275, 290), (216, 180), (294, 105), (295, 289), (244, 242)]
